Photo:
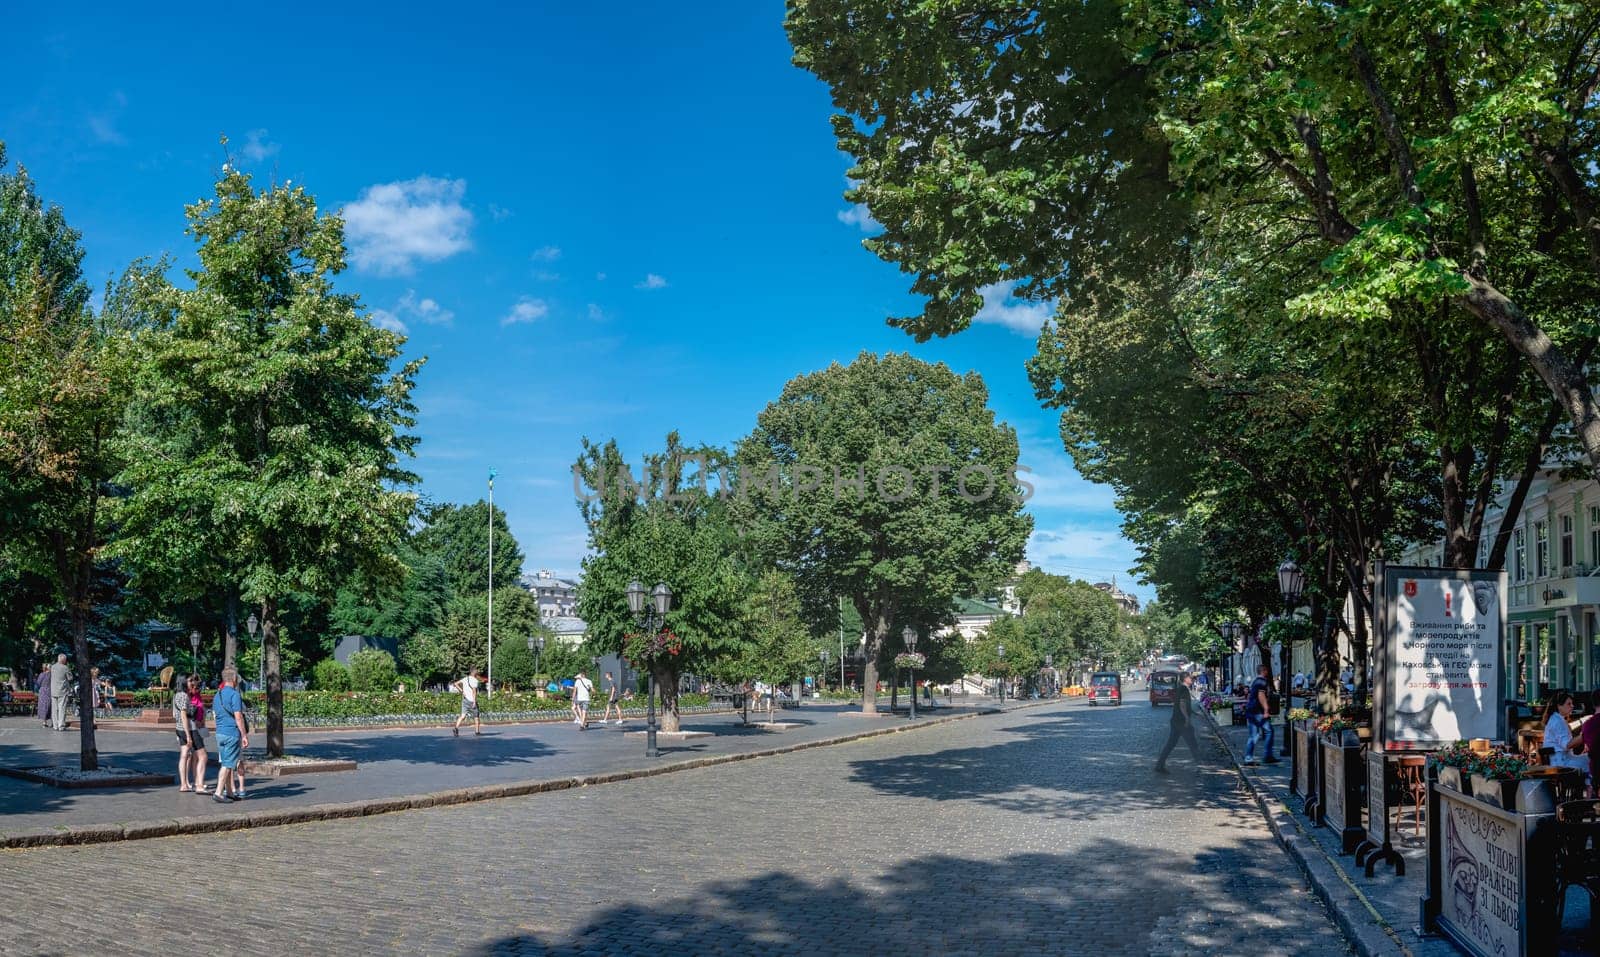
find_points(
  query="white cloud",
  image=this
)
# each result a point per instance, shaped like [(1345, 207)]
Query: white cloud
[(103, 125), (526, 310), (499, 213), (412, 309), (1019, 314), (384, 319), (544, 275), (546, 254), (393, 225), (858, 217), (600, 277), (257, 147), (651, 281), (596, 313)]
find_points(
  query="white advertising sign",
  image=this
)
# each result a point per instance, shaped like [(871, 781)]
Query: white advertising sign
[(1441, 680)]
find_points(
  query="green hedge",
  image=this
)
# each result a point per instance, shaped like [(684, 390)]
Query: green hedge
[(354, 704)]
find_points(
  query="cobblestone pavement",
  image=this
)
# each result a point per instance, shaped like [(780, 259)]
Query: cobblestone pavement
[(1042, 831), (393, 762)]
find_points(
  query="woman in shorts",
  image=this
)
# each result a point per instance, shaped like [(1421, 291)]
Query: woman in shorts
[(189, 710)]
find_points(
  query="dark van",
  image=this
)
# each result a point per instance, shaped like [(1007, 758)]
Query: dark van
[(1104, 686), (1163, 687)]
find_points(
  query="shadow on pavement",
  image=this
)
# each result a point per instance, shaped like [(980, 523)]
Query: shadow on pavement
[(1111, 898)]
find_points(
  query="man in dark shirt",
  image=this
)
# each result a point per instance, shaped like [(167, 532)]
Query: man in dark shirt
[(1258, 714), (1182, 725)]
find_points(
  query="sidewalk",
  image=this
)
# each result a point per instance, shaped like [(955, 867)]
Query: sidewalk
[(1379, 914), (398, 768)]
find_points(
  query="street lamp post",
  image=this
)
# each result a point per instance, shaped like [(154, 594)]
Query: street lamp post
[(489, 682), (1291, 583), (1050, 669), (251, 626), (651, 617), (538, 654), (1000, 682), (824, 677), (909, 636), (1230, 634), (194, 647)]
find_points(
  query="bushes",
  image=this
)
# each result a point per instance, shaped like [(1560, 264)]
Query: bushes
[(329, 675), (372, 669), (355, 704)]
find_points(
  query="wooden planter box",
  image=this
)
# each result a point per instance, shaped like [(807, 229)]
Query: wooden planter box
[(1342, 778)]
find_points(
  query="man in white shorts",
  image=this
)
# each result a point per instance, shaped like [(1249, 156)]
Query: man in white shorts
[(582, 689), (468, 687)]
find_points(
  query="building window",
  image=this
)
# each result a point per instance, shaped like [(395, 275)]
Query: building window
[(1594, 535), (1519, 555), (1541, 549), (1566, 543)]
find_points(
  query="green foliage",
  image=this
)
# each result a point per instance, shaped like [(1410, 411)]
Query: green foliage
[(456, 537), (669, 532), (935, 515), (363, 607), (464, 632), (426, 656), (514, 661), (1021, 656), (330, 675), (271, 422), (372, 669), (780, 647)]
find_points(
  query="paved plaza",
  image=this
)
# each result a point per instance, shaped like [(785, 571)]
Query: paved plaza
[(1039, 831)]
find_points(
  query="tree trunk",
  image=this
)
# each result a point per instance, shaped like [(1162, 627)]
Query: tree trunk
[(269, 650), (894, 689), (88, 755), (877, 619), (667, 687)]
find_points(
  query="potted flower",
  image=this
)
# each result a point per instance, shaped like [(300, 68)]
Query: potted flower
[(1340, 729), (1495, 777), (1298, 715), (1454, 766)]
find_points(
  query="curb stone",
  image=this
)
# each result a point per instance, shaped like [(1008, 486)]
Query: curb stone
[(63, 835), (1364, 928)]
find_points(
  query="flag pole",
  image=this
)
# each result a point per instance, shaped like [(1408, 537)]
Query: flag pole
[(490, 683)]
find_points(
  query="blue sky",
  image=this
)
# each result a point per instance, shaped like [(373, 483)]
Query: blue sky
[(604, 225)]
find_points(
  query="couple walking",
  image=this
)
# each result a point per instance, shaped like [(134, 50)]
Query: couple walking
[(583, 692)]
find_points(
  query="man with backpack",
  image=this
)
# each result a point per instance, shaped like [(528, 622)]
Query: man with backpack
[(232, 734)]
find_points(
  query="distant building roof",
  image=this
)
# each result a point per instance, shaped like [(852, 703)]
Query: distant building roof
[(975, 608), (566, 625)]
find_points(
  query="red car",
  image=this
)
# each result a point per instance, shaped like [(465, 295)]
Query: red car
[(1104, 686), (1163, 687)]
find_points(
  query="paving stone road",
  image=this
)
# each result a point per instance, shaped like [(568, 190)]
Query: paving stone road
[(1036, 832)]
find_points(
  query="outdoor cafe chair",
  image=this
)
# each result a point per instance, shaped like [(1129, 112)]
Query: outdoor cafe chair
[(1578, 853)]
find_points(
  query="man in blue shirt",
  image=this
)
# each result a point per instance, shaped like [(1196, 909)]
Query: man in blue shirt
[(231, 737), (1259, 717)]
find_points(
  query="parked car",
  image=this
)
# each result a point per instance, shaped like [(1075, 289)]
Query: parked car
[(1104, 686), (1163, 687)]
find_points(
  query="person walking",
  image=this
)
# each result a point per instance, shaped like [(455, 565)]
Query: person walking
[(189, 710), (60, 681), (468, 687), (232, 737), (1182, 726), (1258, 714), (582, 690), (41, 691), (613, 696)]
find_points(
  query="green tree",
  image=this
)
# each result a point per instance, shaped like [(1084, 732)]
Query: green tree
[(780, 647), (457, 538), (464, 630), (62, 375), (274, 418), (887, 481), (660, 526)]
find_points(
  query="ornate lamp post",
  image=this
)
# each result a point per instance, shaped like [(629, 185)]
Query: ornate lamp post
[(909, 636), (194, 646), (538, 654), (1291, 583), (1230, 637), (1000, 682), (651, 617)]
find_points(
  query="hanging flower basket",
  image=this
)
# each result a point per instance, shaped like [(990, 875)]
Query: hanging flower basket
[(645, 650), (910, 659)]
